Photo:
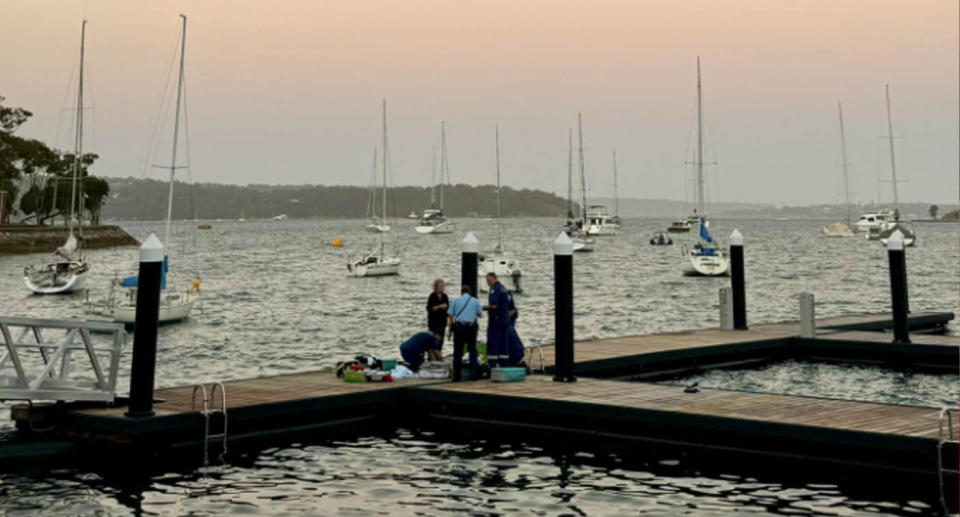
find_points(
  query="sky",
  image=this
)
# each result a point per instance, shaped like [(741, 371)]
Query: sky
[(289, 92)]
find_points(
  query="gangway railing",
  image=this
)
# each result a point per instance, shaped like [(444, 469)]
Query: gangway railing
[(46, 359)]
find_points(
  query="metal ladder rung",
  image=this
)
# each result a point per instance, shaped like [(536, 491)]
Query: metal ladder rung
[(206, 412)]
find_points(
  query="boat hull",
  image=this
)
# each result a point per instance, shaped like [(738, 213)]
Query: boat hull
[(72, 283), (434, 229), (584, 245), (707, 265), (507, 270), (377, 228), (173, 308), (385, 268)]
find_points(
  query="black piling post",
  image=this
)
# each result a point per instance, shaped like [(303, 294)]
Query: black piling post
[(898, 287), (469, 261), (563, 308), (143, 365), (737, 281)]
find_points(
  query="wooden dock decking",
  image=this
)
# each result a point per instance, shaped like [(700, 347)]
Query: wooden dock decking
[(814, 412)]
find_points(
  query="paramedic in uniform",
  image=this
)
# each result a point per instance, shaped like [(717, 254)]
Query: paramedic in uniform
[(462, 318), (498, 324)]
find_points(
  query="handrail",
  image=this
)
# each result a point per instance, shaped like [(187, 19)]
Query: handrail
[(43, 367)]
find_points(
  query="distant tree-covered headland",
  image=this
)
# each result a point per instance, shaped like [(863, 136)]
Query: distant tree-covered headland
[(36, 180), (146, 199)]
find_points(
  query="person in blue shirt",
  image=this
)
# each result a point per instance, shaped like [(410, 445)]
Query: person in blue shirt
[(498, 324), (462, 318), (412, 350)]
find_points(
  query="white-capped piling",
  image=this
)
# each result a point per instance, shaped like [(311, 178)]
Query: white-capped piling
[(737, 282), (898, 287), (143, 364), (808, 318), (469, 248), (563, 308)]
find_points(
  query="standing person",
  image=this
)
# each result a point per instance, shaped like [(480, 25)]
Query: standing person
[(437, 305), (498, 325), (462, 318), (515, 350)]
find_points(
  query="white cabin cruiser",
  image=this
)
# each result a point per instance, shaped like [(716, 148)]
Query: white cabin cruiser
[(600, 223), (873, 220), (433, 222)]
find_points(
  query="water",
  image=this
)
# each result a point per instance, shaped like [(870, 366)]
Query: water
[(838, 381), (276, 299), (408, 473)]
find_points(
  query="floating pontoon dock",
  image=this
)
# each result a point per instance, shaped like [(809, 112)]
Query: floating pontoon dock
[(882, 439)]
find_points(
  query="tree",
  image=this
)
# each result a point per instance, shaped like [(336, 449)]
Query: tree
[(10, 148), (933, 211), (95, 192)]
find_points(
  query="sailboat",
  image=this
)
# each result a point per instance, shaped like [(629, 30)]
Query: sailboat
[(841, 228), (377, 263), (615, 220), (705, 258), (175, 305), (597, 219), (885, 229), (576, 228), (433, 221), (67, 272), (376, 224), (499, 262)]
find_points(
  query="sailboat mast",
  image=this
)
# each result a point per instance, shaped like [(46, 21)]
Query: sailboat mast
[(176, 131), (699, 160), (616, 197), (383, 218), (499, 208), (78, 137), (443, 159), (843, 157), (583, 181), (433, 179), (569, 173), (372, 196), (893, 160)]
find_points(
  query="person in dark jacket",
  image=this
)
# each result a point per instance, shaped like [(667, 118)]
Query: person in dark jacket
[(437, 305), (515, 349), (413, 349), (498, 323)]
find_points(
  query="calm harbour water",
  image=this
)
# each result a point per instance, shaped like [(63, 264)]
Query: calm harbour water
[(276, 299)]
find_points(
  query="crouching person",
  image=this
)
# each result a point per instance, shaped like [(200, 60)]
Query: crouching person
[(462, 321), (413, 349)]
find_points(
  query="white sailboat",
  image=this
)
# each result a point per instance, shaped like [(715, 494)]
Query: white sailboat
[(841, 228), (574, 223), (66, 273), (885, 229), (499, 261), (377, 263), (376, 224), (175, 304), (433, 222), (705, 258), (583, 242)]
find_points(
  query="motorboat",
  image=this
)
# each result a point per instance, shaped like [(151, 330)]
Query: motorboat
[(661, 239), (873, 220), (599, 222), (433, 222), (679, 226)]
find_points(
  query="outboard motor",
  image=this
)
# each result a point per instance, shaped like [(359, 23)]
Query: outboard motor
[(516, 275)]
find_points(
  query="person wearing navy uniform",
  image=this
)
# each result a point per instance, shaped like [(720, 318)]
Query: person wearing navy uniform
[(412, 350), (514, 344), (498, 324), (462, 317)]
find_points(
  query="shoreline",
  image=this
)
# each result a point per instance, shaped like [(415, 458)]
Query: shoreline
[(24, 239)]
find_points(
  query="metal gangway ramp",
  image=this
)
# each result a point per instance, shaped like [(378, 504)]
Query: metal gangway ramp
[(58, 359)]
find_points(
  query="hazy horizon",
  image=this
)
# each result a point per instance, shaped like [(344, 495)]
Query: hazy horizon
[(289, 92)]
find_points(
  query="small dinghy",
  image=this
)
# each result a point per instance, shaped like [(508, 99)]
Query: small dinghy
[(661, 239)]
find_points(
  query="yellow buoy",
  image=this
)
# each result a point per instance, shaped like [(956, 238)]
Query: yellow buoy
[(196, 284), (337, 243)]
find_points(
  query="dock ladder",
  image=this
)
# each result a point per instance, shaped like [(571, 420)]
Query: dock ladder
[(208, 410), (946, 415)]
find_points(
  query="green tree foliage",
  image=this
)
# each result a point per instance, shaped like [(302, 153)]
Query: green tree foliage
[(934, 209), (49, 173)]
